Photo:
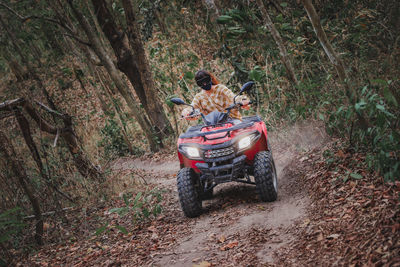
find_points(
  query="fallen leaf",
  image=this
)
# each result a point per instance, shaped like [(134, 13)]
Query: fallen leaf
[(340, 154), (46, 226), (222, 239), (320, 237), (196, 259), (230, 245), (152, 229), (333, 236), (202, 264), (395, 227)]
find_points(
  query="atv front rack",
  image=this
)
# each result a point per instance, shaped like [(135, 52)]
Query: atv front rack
[(232, 171), (192, 134)]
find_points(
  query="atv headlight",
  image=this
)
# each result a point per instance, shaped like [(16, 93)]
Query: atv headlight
[(244, 143), (191, 152), (247, 141)]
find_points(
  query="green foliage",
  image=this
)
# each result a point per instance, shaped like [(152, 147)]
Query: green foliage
[(143, 207), (381, 141), (257, 74), (113, 141), (11, 224)]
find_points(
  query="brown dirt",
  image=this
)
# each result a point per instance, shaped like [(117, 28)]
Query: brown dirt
[(235, 211), (319, 218)]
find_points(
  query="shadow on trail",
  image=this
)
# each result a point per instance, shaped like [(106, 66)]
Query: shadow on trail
[(230, 195)]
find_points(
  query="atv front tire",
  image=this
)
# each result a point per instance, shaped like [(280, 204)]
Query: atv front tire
[(265, 176), (188, 192)]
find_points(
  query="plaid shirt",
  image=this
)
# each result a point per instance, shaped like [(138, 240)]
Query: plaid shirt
[(219, 99)]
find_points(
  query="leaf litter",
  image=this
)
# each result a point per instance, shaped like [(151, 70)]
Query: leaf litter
[(353, 222)]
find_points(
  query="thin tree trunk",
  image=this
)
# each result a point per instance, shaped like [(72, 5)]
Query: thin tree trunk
[(135, 65), (160, 21), (333, 57), (117, 79), (26, 133), (82, 163), (104, 106), (17, 168), (214, 14), (118, 110), (279, 42), (31, 70), (16, 68)]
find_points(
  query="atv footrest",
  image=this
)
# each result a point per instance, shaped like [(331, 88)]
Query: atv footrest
[(230, 171)]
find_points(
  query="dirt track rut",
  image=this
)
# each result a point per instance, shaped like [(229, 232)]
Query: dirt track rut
[(234, 216)]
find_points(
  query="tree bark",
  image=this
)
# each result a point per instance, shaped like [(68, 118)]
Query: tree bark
[(135, 65), (82, 163), (104, 106), (26, 133), (19, 72), (279, 42), (118, 110), (333, 57), (17, 168), (117, 79), (28, 65)]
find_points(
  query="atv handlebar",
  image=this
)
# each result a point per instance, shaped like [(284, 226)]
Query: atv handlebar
[(195, 113)]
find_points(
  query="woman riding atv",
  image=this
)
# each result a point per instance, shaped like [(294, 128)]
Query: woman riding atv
[(224, 148), (214, 97)]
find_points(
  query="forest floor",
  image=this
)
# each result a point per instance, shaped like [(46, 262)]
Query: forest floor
[(325, 215)]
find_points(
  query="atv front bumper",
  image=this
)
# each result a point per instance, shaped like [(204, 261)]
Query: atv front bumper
[(223, 173)]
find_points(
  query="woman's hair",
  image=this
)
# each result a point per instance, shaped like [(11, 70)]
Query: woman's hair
[(202, 74)]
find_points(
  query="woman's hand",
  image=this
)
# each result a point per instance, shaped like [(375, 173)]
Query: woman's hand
[(245, 103), (187, 114)]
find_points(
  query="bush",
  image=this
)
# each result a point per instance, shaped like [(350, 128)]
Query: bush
[(113, 141), (11, 225), (143, 207), (381, 141)]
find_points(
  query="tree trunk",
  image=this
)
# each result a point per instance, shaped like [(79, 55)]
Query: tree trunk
[(135, 65), (31, 70), (214, 14), (279, 42), (82, 163), (117, 79), (19, 72), (104, 106), (118, 110), (26, 133), (333, 57), (17, 168)]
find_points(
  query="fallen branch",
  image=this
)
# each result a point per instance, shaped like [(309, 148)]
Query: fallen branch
[(47, 213), (84, 166)]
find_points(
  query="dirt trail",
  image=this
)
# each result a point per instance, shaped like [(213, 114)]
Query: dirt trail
[(235, 215)]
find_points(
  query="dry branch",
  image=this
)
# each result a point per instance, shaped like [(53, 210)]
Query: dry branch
[(71, 33), (82, 163), (17, 168)]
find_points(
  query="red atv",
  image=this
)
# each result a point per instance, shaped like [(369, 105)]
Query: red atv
[(222, 150)]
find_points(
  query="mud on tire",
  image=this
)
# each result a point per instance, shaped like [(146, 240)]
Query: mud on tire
[(188, 193), (265, 176)]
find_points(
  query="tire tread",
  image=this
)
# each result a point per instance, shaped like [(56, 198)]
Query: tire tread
[(263, 168), (188, 196)]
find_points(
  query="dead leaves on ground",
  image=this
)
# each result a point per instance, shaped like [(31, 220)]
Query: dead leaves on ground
[(353, 221), (350, 222)]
